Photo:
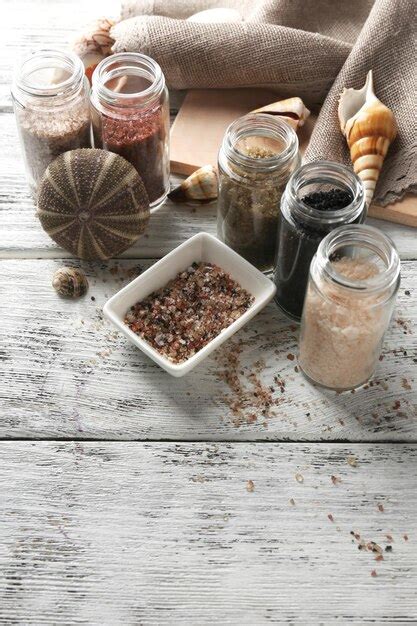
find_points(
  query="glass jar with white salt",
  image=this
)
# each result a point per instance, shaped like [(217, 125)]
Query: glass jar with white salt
[(51, 105), (353, 283)]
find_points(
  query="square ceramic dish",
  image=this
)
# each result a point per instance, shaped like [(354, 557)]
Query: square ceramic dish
[(201, 247)]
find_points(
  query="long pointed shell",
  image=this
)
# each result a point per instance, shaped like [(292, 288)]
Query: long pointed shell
[(292, 110), (369, 127), (201, 185)]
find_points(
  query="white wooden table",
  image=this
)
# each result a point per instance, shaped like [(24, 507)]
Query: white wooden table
[(129, 497)]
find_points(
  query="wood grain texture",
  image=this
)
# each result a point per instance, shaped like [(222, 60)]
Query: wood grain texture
[(31, 24), (131, 533), (68, 373), (42, 23), (404, 212), (23, 237), (126, 532)]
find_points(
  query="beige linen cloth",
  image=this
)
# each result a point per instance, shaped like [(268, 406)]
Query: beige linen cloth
[(308, 48)]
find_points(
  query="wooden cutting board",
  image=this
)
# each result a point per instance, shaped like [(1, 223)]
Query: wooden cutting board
[(203, 118)]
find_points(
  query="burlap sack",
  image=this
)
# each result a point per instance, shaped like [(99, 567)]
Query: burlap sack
[(308, 48)]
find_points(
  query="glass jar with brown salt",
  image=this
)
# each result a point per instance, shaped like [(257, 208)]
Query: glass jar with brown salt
[(354, 279), (257, 157), (51, 105), (130, 113)]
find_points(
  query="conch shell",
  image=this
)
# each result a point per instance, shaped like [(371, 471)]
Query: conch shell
[(292, 110), (94, 44), (201, 185), (369, 127)]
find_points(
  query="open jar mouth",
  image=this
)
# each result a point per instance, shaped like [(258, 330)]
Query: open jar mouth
[(369, 246), (262, 134), (323, 176), (128, 79), (47, 73)]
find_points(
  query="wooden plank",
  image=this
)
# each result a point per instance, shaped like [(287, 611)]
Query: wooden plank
[(23, 237), (404, 212), (172, 534), (203, 118), (68, 373)]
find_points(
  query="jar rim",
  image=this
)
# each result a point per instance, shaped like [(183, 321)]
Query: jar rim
[(259, 124), (327, 172), (23, 86), (364, 236), (131, 64)]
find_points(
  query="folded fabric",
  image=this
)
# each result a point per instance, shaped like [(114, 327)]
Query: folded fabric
[(387, 43), (295, 47), (298, 48)]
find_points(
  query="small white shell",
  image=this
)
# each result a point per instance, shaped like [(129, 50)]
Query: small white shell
[(70, 282), (292, 110), (201, 185)]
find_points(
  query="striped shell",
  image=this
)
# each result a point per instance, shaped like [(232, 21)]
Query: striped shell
[(369, 127), (201, 185), (93, 203), (70, 282)]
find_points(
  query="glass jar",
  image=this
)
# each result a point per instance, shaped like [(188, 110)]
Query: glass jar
[(302, 226), (51, 105), (257, 157), (130, 113), (354, 279)]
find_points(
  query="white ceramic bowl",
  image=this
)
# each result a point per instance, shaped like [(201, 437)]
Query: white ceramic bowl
[(201, 247)]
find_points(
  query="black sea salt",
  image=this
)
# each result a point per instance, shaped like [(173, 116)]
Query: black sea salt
[(319, 197)]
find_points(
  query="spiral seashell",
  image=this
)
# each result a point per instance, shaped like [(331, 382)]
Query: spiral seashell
[(202, 185), (369, 127), (94, 44), (70, 282), (93, 203), (292, 110)]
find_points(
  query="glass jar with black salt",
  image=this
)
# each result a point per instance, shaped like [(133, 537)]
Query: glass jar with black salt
[(257, 157), (319, 197), (130, 113), (51, 104)]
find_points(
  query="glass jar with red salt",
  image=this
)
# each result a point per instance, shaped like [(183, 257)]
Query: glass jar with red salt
[(130, 114)]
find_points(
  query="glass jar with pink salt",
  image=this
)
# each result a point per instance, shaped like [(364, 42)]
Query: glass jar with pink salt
[(130, 115), (353, 283)]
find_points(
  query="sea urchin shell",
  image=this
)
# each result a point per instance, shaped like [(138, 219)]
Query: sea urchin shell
[(70, 282), (93, 203)]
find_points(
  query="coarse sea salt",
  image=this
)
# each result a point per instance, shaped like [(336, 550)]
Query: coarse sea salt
[(342, 333)]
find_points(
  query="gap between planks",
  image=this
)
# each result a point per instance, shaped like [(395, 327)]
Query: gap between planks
[(212, 442)]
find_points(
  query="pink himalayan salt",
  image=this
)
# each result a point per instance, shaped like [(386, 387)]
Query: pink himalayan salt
[(342, 332)]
